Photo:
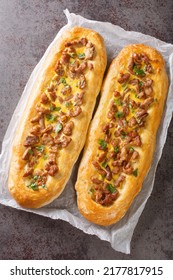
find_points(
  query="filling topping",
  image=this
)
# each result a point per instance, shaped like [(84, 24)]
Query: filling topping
[(118, 151), (60, 102)]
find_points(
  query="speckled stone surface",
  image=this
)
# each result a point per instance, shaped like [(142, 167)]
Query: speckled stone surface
[(26, 30)]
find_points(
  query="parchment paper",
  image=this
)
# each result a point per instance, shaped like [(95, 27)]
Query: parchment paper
[(65, 208)]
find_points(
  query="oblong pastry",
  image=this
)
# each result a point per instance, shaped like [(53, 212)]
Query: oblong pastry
[(121, 139), (53, 128)]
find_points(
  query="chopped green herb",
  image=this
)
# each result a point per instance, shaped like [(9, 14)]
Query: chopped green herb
[(51, 118), (111, 188), (58, 127), (92, 190), (119, 114), (136, 96), (30, 152), (104, 164), (135, 172), (103, 144), (33, 186), (52, 108), (123, 134), (138, 72), (116, 150), (118, 102), (81, 55), (40, 148), (63, 81), (36, 177), (124, 86), (72, 55), (45, 156), (44, 187), (68, 104), (141, 83), (131, 149)]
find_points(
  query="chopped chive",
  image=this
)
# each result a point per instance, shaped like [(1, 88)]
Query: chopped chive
[(52, 108), (40, 148), (138, 72), (119, 114), (33, 186), (81, 55), (58, 127), (68, 104), (30, 152), (124, 86), (131, 149), (63, 81), (51, 117), (104, 164), (135, 172), (111, 188), (102, 143), (118, 102), (116, 150), (44, 187)]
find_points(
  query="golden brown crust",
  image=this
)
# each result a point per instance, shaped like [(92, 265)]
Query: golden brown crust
[(67, 157), (90, 209)]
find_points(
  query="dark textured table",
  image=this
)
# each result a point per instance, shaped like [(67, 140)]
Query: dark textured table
[(26, 30)]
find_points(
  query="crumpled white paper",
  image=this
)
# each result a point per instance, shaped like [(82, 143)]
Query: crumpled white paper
[(65, 208)]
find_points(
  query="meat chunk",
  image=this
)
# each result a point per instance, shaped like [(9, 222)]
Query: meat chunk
[(98, 167), (148, 82), (132, 122), (52, 169), (44, 98), (53, 95), (108, 173), (47, 139), (96, 180), (119, 180), (101, 156), (43, 110), (141, 114), (59, 68), (66, 90), (82, 82), (52, 158), (75, 112), (105, 197), (31, 141), (28, 171), (124, 78), (26, 154), (147, 102), (89, 51), (35, 130), (128, 169), (64, 58), (148, 91), (37, 117), (135, 155), (78, 99), (68, 127), (131, 65), (83, 41), (63, 141), (48, 129), (81, 68), (136, 141), (149, 68)]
